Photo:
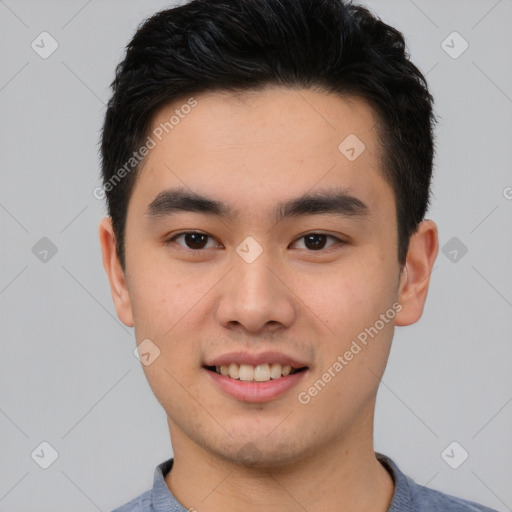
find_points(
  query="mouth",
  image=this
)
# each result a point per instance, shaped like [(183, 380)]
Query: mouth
[(255, 373), (256, 377)]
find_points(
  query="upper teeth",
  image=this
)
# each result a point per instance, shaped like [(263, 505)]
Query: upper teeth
[(259, 373)]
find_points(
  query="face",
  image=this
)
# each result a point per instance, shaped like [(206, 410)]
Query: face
[(261, 231)]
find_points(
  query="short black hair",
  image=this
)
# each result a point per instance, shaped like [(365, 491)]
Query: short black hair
[(242, 45)]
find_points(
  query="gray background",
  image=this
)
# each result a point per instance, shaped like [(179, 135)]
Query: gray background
[(68, 375)]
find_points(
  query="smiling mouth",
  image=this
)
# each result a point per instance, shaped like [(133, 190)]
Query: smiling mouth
[(259, 373)]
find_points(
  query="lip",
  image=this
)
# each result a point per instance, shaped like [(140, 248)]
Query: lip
[(247, 391), (256, 359)]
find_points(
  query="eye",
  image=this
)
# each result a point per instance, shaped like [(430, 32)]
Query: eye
[(193, 240), (317, 241), (196, 241)]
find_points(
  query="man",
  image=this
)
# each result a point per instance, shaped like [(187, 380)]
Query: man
[(267, 166)]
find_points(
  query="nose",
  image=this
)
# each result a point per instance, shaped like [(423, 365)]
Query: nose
[(255, 297)]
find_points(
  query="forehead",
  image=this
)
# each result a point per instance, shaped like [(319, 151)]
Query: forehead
[(259, 146), (269, 116)]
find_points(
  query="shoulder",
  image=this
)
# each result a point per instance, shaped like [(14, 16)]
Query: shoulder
[(159, 497), (412, 497), (141, 503), (430, 500)]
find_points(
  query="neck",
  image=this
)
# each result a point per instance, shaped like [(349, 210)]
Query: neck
[(344, 476)]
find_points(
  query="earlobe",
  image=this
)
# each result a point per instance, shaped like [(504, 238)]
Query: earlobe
[(115, 273), (415, 277)]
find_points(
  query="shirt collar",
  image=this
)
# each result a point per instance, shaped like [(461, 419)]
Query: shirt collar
[(163, 500), (402, 498)]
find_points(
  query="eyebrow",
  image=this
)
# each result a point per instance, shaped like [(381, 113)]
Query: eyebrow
[(337, 201)]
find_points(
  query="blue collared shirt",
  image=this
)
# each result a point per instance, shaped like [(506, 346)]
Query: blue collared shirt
[(407, 497)]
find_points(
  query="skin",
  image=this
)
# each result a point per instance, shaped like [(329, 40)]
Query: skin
[(252, 151)]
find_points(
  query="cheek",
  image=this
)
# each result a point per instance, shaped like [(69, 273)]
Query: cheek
[(166, 302), (157, 295), (165, 315), (350, 298)]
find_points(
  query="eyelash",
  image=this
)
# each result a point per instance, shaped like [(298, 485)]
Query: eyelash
[(174, 237)]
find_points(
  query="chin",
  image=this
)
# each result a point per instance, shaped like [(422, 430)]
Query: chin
[(261, 456)]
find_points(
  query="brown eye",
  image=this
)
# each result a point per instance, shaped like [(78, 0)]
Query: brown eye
[(195, 240), (192, 240), (317, 241)]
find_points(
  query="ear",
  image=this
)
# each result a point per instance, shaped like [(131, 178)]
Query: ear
[(415, 276), (115, 273)]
